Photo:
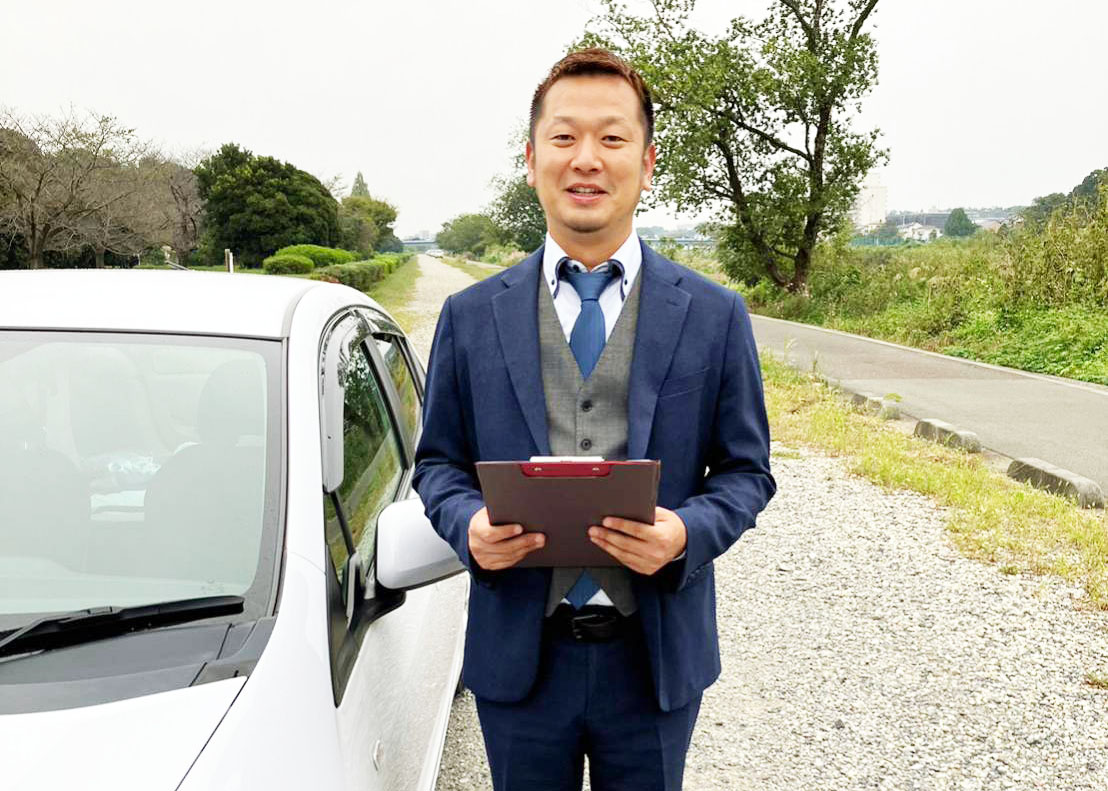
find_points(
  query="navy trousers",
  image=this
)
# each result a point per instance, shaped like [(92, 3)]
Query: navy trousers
[(593, 699)]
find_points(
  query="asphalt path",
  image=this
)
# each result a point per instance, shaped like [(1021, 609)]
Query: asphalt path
[(1015, 413)]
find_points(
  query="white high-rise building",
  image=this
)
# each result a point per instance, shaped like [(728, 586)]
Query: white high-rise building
[(871, 206)]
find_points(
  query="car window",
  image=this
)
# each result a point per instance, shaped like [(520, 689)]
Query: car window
[(136, 469), (389, 347), (372, 462)]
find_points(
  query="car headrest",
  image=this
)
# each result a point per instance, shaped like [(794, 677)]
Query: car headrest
[(232, 403)]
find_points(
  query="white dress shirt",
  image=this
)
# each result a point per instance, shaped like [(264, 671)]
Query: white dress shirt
[(566, 302)]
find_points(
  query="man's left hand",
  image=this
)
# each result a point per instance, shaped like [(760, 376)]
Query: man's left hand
[(641, 547)]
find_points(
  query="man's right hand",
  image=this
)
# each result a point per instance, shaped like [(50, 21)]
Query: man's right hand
[(496, 547)]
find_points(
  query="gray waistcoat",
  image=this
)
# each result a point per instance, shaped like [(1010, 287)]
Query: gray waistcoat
[(588, 418)]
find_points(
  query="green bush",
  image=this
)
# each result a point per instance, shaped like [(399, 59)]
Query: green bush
[(362, 275), (319, 256), (288, 264)]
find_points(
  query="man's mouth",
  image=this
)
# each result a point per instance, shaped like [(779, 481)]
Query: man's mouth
[(585, 195)]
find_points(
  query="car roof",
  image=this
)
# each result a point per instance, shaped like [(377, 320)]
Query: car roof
[(209, 303)]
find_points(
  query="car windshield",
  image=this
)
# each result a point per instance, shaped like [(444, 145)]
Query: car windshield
[(136, 469)]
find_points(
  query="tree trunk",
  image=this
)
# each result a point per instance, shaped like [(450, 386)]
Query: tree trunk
[(799, 282), (99, 257)]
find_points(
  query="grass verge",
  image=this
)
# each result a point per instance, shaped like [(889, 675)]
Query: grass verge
[(476, 271), (992, 518), (395, 292)]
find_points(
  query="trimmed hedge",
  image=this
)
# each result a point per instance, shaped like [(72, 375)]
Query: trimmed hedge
[(363, 275), (319, 256), (288, 264)]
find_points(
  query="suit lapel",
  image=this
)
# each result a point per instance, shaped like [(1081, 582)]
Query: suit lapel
[(515, 311), (662, 309)]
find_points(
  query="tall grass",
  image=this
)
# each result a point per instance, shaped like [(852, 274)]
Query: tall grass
[(1031, 300)]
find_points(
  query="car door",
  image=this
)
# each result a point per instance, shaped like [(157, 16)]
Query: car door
[(389, 671), (427, 632)]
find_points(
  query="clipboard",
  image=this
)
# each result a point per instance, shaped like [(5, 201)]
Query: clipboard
[(564, 498)]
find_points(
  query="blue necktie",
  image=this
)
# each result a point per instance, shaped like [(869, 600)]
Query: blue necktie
[(586, 341)]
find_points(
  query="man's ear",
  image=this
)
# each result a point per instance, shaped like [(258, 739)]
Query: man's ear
[(649, 157), (529, 157)]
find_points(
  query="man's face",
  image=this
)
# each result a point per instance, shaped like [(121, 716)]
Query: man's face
[(589, 160)]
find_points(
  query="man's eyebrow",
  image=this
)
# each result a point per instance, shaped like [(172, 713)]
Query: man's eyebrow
[(608, 119)]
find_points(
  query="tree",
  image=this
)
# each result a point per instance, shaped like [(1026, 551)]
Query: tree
[(468, 233), (256, 204), (517, 213), (59, 177), (184, 209), (366, 222), (958, 224), (516, 210), (128, 219), (887, 233), (359, 190), (756, 124)]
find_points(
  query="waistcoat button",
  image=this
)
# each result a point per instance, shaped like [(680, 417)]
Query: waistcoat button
[(586, 444), (586, 405)]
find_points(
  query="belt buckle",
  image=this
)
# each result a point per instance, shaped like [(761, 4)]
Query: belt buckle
[(592, 627)]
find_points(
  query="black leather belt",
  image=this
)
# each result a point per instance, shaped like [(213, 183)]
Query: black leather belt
[(590, 624)]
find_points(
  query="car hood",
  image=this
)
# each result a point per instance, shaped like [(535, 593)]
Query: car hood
[(145, 743)]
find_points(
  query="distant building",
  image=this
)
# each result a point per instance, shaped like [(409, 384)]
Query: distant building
[(918, 232), (871, 205)]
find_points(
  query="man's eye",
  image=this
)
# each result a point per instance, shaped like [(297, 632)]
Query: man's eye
[(614, 139), (563, 138)]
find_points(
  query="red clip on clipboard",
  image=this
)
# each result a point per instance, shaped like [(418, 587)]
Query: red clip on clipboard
[(562, 499)]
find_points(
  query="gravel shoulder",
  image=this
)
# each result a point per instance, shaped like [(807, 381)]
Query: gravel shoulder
[(862, 651)]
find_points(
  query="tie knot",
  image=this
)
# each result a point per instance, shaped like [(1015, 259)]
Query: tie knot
[(589, 285)]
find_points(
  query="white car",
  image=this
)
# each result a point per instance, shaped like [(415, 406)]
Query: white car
[(214, 573)]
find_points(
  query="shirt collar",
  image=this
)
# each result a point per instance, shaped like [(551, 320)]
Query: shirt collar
[(629, 256)]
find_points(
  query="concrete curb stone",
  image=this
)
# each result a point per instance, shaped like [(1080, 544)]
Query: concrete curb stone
[(884, 408), (944, 433), (1043, 475)]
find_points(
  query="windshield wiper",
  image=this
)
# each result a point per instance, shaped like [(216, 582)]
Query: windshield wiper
[(82, 626)]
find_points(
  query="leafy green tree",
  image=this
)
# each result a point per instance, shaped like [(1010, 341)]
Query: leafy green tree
[(468, 233), (366, 223), (756, 124), (359, 190), (257, 204), (958, 224), (517, 212), (887, 233)]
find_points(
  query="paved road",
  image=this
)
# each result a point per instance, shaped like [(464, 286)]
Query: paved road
[(1015, 413)]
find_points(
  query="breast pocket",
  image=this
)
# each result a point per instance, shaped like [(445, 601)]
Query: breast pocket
[(680, 385)]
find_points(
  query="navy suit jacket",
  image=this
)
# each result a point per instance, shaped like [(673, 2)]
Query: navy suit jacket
[(695, 403)]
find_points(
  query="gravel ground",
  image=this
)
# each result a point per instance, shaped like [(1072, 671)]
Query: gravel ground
[(436, 282), (861, 650)]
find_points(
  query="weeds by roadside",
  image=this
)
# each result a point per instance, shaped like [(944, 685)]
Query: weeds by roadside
[(395, 292), (992, 517), (476, 271)]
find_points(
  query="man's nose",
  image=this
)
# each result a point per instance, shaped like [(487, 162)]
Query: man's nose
[(587, 156)]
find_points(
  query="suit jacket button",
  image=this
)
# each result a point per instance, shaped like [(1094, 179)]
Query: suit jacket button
[(586, 444), (586, 405)]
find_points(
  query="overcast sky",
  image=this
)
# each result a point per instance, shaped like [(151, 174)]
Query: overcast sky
[(981, 103)]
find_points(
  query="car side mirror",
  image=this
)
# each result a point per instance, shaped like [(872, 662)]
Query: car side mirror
[(410, 553)]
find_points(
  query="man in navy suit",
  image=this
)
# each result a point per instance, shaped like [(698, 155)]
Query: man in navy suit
[(594, 345)]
